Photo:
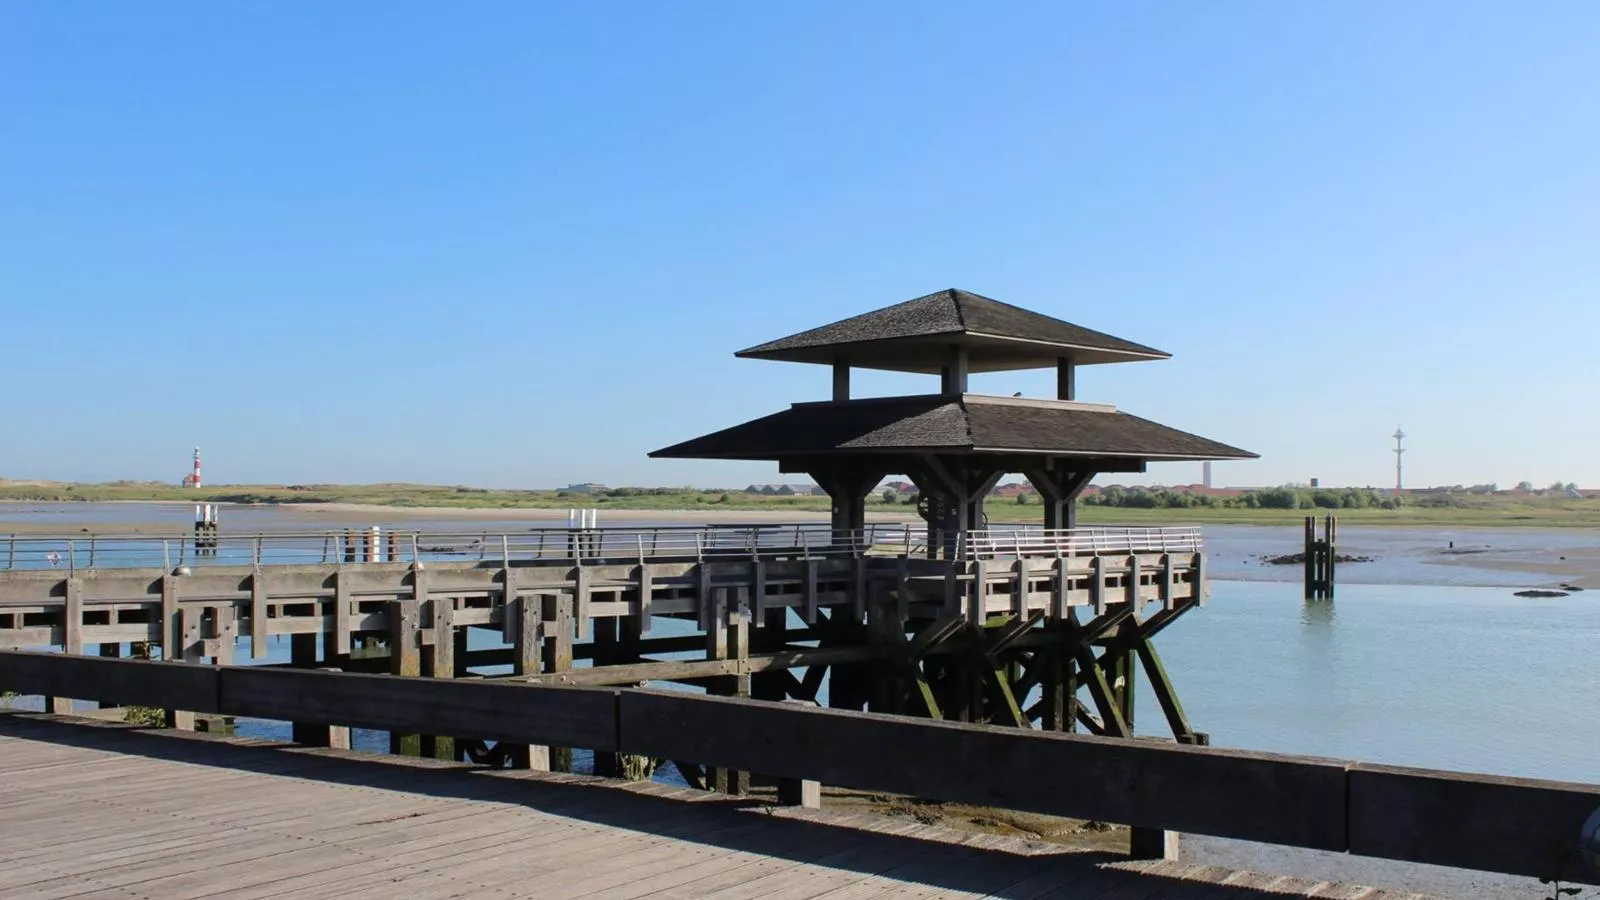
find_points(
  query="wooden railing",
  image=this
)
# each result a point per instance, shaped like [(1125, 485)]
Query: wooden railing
[(75, 552), (1510, 825)]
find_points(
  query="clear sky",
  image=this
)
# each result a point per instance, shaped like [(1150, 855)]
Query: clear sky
[(516, 244)]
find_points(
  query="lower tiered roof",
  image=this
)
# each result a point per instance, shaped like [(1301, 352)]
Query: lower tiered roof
[(969, 423)]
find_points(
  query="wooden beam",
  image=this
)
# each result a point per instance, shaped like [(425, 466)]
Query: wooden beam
[(473, 709), (1166, 694), (1293, 800), (126, 682), (640, 673), (1491, 823)]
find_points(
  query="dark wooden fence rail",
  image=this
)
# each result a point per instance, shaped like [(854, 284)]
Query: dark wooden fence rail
[(1228, 793), (1509, 825)]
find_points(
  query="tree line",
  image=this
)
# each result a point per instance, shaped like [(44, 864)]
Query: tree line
[(1266, 498)]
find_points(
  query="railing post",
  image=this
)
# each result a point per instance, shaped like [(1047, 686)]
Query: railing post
[(72, 556), (11, 552), (505, 549), (257, 558), (91, 551)]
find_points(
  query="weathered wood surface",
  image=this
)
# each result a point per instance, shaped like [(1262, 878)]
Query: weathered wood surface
[(1227, 793), (96, 810), (494, 711), (1515, 826), (108, 680), (1518, 826)]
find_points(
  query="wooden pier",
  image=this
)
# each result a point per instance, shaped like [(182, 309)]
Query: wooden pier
[(176, 814), (90, 810), (1068, 614)]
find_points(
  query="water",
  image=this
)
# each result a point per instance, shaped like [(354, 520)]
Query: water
[(1470, 679), (1467, 679), (1419, 556)]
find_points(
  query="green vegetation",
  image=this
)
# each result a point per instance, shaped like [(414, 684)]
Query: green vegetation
[(1272, 506), (145, 716), (1267, 498)]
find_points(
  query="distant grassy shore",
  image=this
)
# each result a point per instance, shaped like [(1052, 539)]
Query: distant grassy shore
[(1450, 511)]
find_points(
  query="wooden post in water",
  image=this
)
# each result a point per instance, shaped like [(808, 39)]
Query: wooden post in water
[(1321, 555), (1331, 532)]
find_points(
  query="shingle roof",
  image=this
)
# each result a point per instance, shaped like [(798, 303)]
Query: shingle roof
[(972, 424), (915, 336)]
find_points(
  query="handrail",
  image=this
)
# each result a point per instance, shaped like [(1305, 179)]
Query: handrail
[(588, 545)]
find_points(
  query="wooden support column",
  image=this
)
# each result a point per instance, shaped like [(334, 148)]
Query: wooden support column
[(1153, 843), (841, 379), (1066, 379), (405, 655), (953, 375), (1052, 667), (607, 763), (303, 655), (339, 654), (172, 642), (770, 638), (258, 613), (848, 485), (728, 637), (528, 648), (439, 661), (71, 638), (558, 612), (1059, 488), (112, 651)]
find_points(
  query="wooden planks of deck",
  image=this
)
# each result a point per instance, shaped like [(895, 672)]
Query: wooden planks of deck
[(92, 810)]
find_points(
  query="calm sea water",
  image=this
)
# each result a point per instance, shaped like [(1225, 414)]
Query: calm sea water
[(1448, 674)]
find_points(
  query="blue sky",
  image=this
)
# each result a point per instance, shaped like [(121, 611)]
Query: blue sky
[(517, 244)]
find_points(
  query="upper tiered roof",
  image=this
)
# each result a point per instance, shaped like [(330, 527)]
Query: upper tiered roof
[(917, 335)]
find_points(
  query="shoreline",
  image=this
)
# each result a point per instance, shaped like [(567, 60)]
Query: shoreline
[(712, 513), (1544, 566)]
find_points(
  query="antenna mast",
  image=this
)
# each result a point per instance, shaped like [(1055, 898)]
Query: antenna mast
[(1399, 453)]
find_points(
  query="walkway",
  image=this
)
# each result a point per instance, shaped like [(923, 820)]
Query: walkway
[(90, 810)]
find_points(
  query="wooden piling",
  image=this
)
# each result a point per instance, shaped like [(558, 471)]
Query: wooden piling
[(1321, 555), (405, 657)]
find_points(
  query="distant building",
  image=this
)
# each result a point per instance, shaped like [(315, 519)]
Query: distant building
[(786, 490)]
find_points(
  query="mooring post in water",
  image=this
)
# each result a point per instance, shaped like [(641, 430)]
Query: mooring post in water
[(1311, 556), (1320, 557), (1331, 530)]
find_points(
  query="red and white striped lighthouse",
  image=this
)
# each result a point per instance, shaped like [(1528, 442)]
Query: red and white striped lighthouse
[(194, 479)]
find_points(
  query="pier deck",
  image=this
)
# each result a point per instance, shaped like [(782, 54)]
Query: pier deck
[(97, 810)]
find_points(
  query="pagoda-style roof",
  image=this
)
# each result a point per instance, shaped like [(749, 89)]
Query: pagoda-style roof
[(969, 423), (916, 336)]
